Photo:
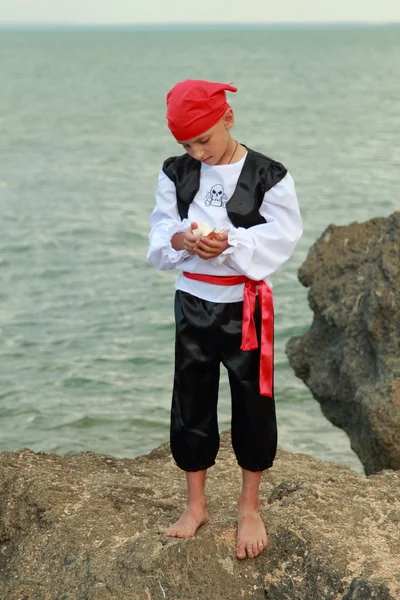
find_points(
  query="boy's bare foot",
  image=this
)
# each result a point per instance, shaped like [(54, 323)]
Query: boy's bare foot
[(188, 523), (252, 537)]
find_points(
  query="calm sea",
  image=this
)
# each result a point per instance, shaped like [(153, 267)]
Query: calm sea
[(86, 326)]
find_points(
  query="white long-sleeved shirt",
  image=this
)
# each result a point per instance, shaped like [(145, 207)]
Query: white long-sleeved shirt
[(256, 252)]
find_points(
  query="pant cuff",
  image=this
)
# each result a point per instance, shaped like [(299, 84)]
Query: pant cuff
[(194, 469), (254, 469)]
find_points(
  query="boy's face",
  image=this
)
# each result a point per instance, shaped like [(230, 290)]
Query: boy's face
[(212, 146)]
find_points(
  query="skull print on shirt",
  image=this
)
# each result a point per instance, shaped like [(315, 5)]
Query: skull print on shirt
[(216, 196)]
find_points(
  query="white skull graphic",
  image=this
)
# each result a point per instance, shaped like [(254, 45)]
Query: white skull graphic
[(216, 196)]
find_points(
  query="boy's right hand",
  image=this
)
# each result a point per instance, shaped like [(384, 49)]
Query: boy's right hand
[(185, 240)]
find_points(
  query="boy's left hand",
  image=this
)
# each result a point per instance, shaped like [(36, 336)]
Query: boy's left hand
[(207, 248)]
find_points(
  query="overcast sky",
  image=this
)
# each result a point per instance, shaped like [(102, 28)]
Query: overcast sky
[(190, 11)]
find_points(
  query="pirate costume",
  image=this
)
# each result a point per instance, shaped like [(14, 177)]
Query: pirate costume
[(223, 306)]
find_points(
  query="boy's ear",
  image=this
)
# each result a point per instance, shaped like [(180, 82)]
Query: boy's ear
[(229, 119)]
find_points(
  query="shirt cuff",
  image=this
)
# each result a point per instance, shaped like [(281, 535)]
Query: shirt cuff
[(232, 241), (177, 255), (173, 255)]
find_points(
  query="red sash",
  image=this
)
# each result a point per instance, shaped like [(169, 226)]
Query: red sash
[(249, 335)]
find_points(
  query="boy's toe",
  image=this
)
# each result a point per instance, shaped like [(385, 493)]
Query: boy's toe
[(250, 551), (241, 550)]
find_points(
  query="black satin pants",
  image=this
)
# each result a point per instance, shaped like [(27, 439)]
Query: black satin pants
[(208, 334)]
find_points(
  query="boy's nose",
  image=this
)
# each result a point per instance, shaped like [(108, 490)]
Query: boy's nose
[(198, 154)]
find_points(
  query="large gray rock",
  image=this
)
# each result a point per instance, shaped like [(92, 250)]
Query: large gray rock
[(350, 358), (87, 527)]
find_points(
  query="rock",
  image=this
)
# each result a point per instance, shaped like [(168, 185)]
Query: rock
[(350, 358), (89, 527)]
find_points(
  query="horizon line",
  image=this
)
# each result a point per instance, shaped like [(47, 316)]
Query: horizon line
[(189, 24)]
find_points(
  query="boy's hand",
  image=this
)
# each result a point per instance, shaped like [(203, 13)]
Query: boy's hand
[(185, 240), (206, 248)]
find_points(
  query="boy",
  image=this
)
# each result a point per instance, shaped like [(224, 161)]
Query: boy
[(223, 301)]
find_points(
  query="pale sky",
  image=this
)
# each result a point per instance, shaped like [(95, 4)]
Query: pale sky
[(202, 11)]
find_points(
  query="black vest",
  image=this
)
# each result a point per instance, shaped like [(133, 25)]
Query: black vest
[(259, 174)]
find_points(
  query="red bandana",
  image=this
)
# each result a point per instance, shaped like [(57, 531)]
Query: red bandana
[(194, 106)]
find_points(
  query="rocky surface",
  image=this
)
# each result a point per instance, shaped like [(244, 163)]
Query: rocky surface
[(89, 527), (350, 358)]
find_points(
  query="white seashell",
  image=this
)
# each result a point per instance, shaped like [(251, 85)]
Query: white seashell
[(202, 230)]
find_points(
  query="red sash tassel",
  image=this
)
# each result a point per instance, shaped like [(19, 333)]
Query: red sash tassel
[(249, 334)]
